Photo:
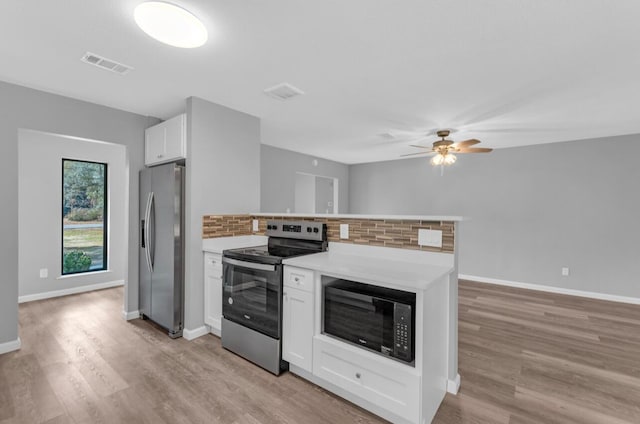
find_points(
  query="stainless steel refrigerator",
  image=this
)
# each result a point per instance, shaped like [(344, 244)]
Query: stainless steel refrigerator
[(162, 247)]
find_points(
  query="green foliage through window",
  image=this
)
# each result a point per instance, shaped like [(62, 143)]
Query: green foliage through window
[(84, 223), (76, 261)]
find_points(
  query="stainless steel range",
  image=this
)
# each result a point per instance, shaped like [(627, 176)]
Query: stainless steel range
[(252, 291)]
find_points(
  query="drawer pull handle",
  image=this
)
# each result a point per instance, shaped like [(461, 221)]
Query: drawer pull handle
[(297, 280), (357, 375)]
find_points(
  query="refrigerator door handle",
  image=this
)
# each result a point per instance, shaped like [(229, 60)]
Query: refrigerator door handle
[(147, 212), (152, 231)]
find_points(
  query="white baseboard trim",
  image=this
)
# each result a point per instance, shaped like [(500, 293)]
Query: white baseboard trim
[(551, 289), (128, 316), (195, 333), (454, 385), (10, 346), (66, 292)]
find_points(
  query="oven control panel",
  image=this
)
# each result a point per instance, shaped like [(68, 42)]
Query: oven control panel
[(306, 230), (291, 228)]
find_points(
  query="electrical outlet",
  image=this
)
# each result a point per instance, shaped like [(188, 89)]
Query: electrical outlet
[(565, 271), (344, 231), (255, 225), (431, 238), (44, 272)]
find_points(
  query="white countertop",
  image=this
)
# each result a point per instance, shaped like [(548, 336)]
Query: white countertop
[(403, 275), (217, 245), (357, 216)]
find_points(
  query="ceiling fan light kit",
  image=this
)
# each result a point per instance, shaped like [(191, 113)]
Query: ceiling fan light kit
[(446, 159), (444, 149)]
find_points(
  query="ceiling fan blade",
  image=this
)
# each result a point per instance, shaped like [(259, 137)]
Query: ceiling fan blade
[(474, 150), (465, 143), (410, 133), (421, 147), (518, 130), (419, 153)]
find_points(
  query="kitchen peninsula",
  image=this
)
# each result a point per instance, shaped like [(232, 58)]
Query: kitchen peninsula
[(416, 255)]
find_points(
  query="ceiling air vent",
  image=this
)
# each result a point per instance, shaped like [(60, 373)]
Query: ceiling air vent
[(283, 91), (104, 63)]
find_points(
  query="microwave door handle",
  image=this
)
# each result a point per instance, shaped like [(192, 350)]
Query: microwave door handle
[(358, 300), (357, 296), (250, 265)]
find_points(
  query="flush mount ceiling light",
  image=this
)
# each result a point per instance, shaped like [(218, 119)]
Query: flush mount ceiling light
[(170, 24)]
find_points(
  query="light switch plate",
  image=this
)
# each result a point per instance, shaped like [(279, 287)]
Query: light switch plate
[(344, 231), (431, 238), (44, 272), (255, 225)]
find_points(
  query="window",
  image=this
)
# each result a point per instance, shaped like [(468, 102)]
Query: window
[(84, 216)]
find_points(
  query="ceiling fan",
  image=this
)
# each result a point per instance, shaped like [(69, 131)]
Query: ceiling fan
[(444, 149)]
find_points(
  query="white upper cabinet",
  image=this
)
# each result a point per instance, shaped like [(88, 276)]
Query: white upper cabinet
[(166, 142)]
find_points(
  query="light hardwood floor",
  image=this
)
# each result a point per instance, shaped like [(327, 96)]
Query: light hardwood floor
[(525, 357)]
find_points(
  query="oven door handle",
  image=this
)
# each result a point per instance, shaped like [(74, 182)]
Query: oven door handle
[(250, 265)]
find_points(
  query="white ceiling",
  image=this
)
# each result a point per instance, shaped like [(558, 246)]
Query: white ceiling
[(510, 73)]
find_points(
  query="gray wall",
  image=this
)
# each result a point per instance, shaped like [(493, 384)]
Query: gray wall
[(223, 176), (40, 215), (21, 107), (532, 210), (277, 178)]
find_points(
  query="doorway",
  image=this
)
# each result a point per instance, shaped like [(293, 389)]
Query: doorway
[(315, 194)]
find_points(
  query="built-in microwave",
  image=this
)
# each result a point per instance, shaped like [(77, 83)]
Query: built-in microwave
[(376, 318)]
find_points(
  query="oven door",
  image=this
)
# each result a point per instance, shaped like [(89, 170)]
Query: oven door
[(252, 295)]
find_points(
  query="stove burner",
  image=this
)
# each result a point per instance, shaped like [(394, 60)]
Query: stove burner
[(286, 239), (258, 251)]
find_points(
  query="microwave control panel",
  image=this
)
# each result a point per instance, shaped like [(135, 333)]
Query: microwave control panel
[(402, 332)]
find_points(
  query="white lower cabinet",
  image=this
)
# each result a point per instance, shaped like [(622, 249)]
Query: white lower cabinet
[(297, 328), (213, 292), (394, 390), (298, 317), (389, 385)]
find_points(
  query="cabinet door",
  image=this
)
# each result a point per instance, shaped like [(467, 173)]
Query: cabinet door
[(167, 141), (175, 134), (213, 303), (297, 328), (154, 144), (213, 292)]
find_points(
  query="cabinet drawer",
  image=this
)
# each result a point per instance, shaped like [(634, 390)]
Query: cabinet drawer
[(213, 264), (298, 278), (380, 381)]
